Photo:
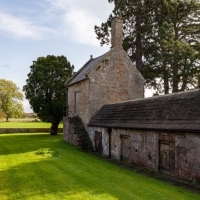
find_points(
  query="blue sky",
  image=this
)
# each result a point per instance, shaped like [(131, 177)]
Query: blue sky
[(34, 28)]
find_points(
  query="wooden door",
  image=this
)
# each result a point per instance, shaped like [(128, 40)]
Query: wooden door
[(98, 142), (125, 147), (167, 157)]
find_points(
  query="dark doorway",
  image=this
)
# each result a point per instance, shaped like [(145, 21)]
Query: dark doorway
[(167, 157), (98, 142), (125, 147)]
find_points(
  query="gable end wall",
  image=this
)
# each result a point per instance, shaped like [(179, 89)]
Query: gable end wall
[(114, 79)]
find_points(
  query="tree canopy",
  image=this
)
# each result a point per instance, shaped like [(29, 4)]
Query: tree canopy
[(10, 100), (162, 39), (45, 88)]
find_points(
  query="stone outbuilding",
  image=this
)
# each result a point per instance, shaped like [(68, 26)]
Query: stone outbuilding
[(107, 95), (110, 78), (161, 133)]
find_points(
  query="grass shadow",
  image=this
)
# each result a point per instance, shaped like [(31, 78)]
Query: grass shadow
[(21, 143)]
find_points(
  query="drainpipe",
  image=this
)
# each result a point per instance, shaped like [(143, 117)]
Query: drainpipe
[(109, 130)]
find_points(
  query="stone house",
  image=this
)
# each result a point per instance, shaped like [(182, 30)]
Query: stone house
[(110, 78), (161, 133)]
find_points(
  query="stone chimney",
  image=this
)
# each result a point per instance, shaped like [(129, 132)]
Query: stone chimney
[(116, 32)]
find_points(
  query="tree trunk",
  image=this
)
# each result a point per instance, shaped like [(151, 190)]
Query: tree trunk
[(184, 77), (138, 41), (54, 128), (175, 79), (165, 72), (7, 118), (166, 82)]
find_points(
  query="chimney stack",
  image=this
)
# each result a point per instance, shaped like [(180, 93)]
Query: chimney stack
[(116, 32)]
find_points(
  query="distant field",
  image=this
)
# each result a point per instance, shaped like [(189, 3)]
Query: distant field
[(21, 120), (26, 125)]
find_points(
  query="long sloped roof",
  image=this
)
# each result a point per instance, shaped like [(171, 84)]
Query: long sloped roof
[(176, 112), (80, 75)]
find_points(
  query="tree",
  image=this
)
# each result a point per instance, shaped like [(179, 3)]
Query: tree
[(45, 88), (162, 38), (10, 99), (2, 114)]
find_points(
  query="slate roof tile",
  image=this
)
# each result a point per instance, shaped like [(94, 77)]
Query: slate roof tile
[(177, 112)]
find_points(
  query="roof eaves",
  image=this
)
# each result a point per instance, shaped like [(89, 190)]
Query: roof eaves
[(77, 82), (156, 97), (76, 74), (145, 128), (81, 70)]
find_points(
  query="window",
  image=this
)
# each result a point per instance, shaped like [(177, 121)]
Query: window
[(76, 102)]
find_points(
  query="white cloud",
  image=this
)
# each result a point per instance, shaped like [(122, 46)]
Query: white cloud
[(72, 18), (21, 27), (81, 26), (60, 4), (79, 18)]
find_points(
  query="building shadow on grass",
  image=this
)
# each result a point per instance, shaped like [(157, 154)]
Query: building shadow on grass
[(21, 143)]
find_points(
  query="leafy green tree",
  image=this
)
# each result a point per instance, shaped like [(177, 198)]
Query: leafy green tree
[(2, 114), (162, 39), (45, 88), (10, 100)]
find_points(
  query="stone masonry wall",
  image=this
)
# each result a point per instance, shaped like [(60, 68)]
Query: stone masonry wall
[(27, 130), (114, 79), (105, 140), (145, 150), (143, 147), (82, 88), (188, 156)]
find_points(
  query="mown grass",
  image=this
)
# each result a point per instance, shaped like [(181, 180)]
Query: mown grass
[(25, 124), (40, 166)]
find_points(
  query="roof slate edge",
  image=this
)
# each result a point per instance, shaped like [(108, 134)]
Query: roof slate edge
[(145, 128), (155, 97), (73, 77), (68, 83)]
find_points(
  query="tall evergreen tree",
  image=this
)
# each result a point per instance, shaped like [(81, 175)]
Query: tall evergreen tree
[(162, 38), (45, 88)]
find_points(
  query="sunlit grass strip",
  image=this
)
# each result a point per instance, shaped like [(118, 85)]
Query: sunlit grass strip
[(45, 167), (26, 125)]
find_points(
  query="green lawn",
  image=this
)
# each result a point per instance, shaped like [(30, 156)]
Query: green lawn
[(26, 125), (40, 166)]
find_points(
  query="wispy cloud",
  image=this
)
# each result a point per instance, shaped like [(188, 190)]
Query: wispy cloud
[(74, 19), (60, 4), (81, 26), (21, 27), (78, 18)]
